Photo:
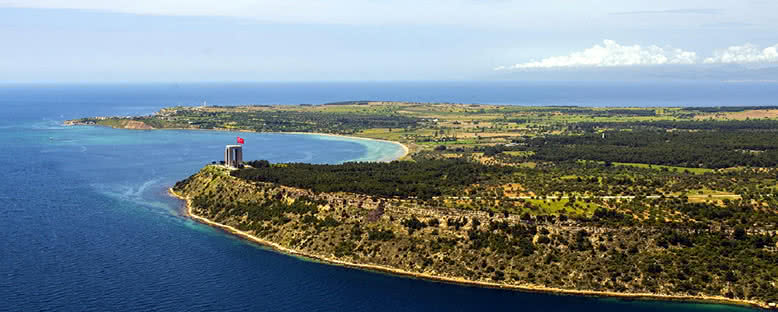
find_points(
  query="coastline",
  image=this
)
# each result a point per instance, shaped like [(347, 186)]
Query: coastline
[(404, 147), (405, 153), (461, 281)]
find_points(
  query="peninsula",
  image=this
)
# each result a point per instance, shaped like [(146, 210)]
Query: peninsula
[(667, 203)]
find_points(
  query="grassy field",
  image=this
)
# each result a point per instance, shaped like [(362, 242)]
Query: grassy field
[(461, 125)]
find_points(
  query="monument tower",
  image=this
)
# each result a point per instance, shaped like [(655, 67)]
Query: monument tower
[(233, 155)]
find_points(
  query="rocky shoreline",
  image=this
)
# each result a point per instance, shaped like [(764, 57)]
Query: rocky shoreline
[(287, 238)]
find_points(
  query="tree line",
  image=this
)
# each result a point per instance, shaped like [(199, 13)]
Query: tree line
[(749, 124), (420, 179), (709, 149), (291, 121)]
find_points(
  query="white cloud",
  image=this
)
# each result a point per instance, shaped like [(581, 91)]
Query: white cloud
[(611, 54), (747, 53)]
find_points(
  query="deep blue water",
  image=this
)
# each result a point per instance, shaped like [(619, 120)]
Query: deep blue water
[(86, 224)]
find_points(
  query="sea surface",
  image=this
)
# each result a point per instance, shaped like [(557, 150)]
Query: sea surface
[(86, 224)]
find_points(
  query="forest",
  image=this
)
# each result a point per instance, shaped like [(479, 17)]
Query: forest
[(706, 149), (420, 179)]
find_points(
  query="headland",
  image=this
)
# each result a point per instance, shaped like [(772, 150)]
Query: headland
[(661, 203)]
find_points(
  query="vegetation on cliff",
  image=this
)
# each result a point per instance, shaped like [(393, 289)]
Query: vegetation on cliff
[(675, 201), (422, 179), (610, 248)]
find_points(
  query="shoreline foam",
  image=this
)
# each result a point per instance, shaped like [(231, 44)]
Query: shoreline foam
[(461, 281)]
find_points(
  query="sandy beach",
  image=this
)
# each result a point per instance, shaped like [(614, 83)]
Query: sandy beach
[(404, 147)]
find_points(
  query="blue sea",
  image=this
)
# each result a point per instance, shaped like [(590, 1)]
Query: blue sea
[(86, 224)]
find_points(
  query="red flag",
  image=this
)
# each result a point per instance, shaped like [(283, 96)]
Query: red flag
[(240, 140)]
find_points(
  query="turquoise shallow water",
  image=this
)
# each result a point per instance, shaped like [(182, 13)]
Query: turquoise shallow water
[(86, 224)]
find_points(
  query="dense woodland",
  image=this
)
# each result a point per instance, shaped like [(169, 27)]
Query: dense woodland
[(422, 179), (705, 149)]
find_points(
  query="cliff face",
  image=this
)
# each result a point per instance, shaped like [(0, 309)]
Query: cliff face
[(133, 124), (114, 122), (403, 235)]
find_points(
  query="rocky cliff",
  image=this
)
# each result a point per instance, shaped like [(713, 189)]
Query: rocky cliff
[(405, 237)]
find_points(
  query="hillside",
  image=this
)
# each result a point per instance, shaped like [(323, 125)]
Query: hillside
[(565, 252)]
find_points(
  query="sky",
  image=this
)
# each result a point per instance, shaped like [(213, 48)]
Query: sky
[(380, 40)]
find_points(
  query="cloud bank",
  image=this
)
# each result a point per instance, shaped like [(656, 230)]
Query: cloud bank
[(747, 53), (612, 54)]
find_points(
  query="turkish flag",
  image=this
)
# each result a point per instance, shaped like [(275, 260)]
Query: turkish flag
[(240, 140)]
